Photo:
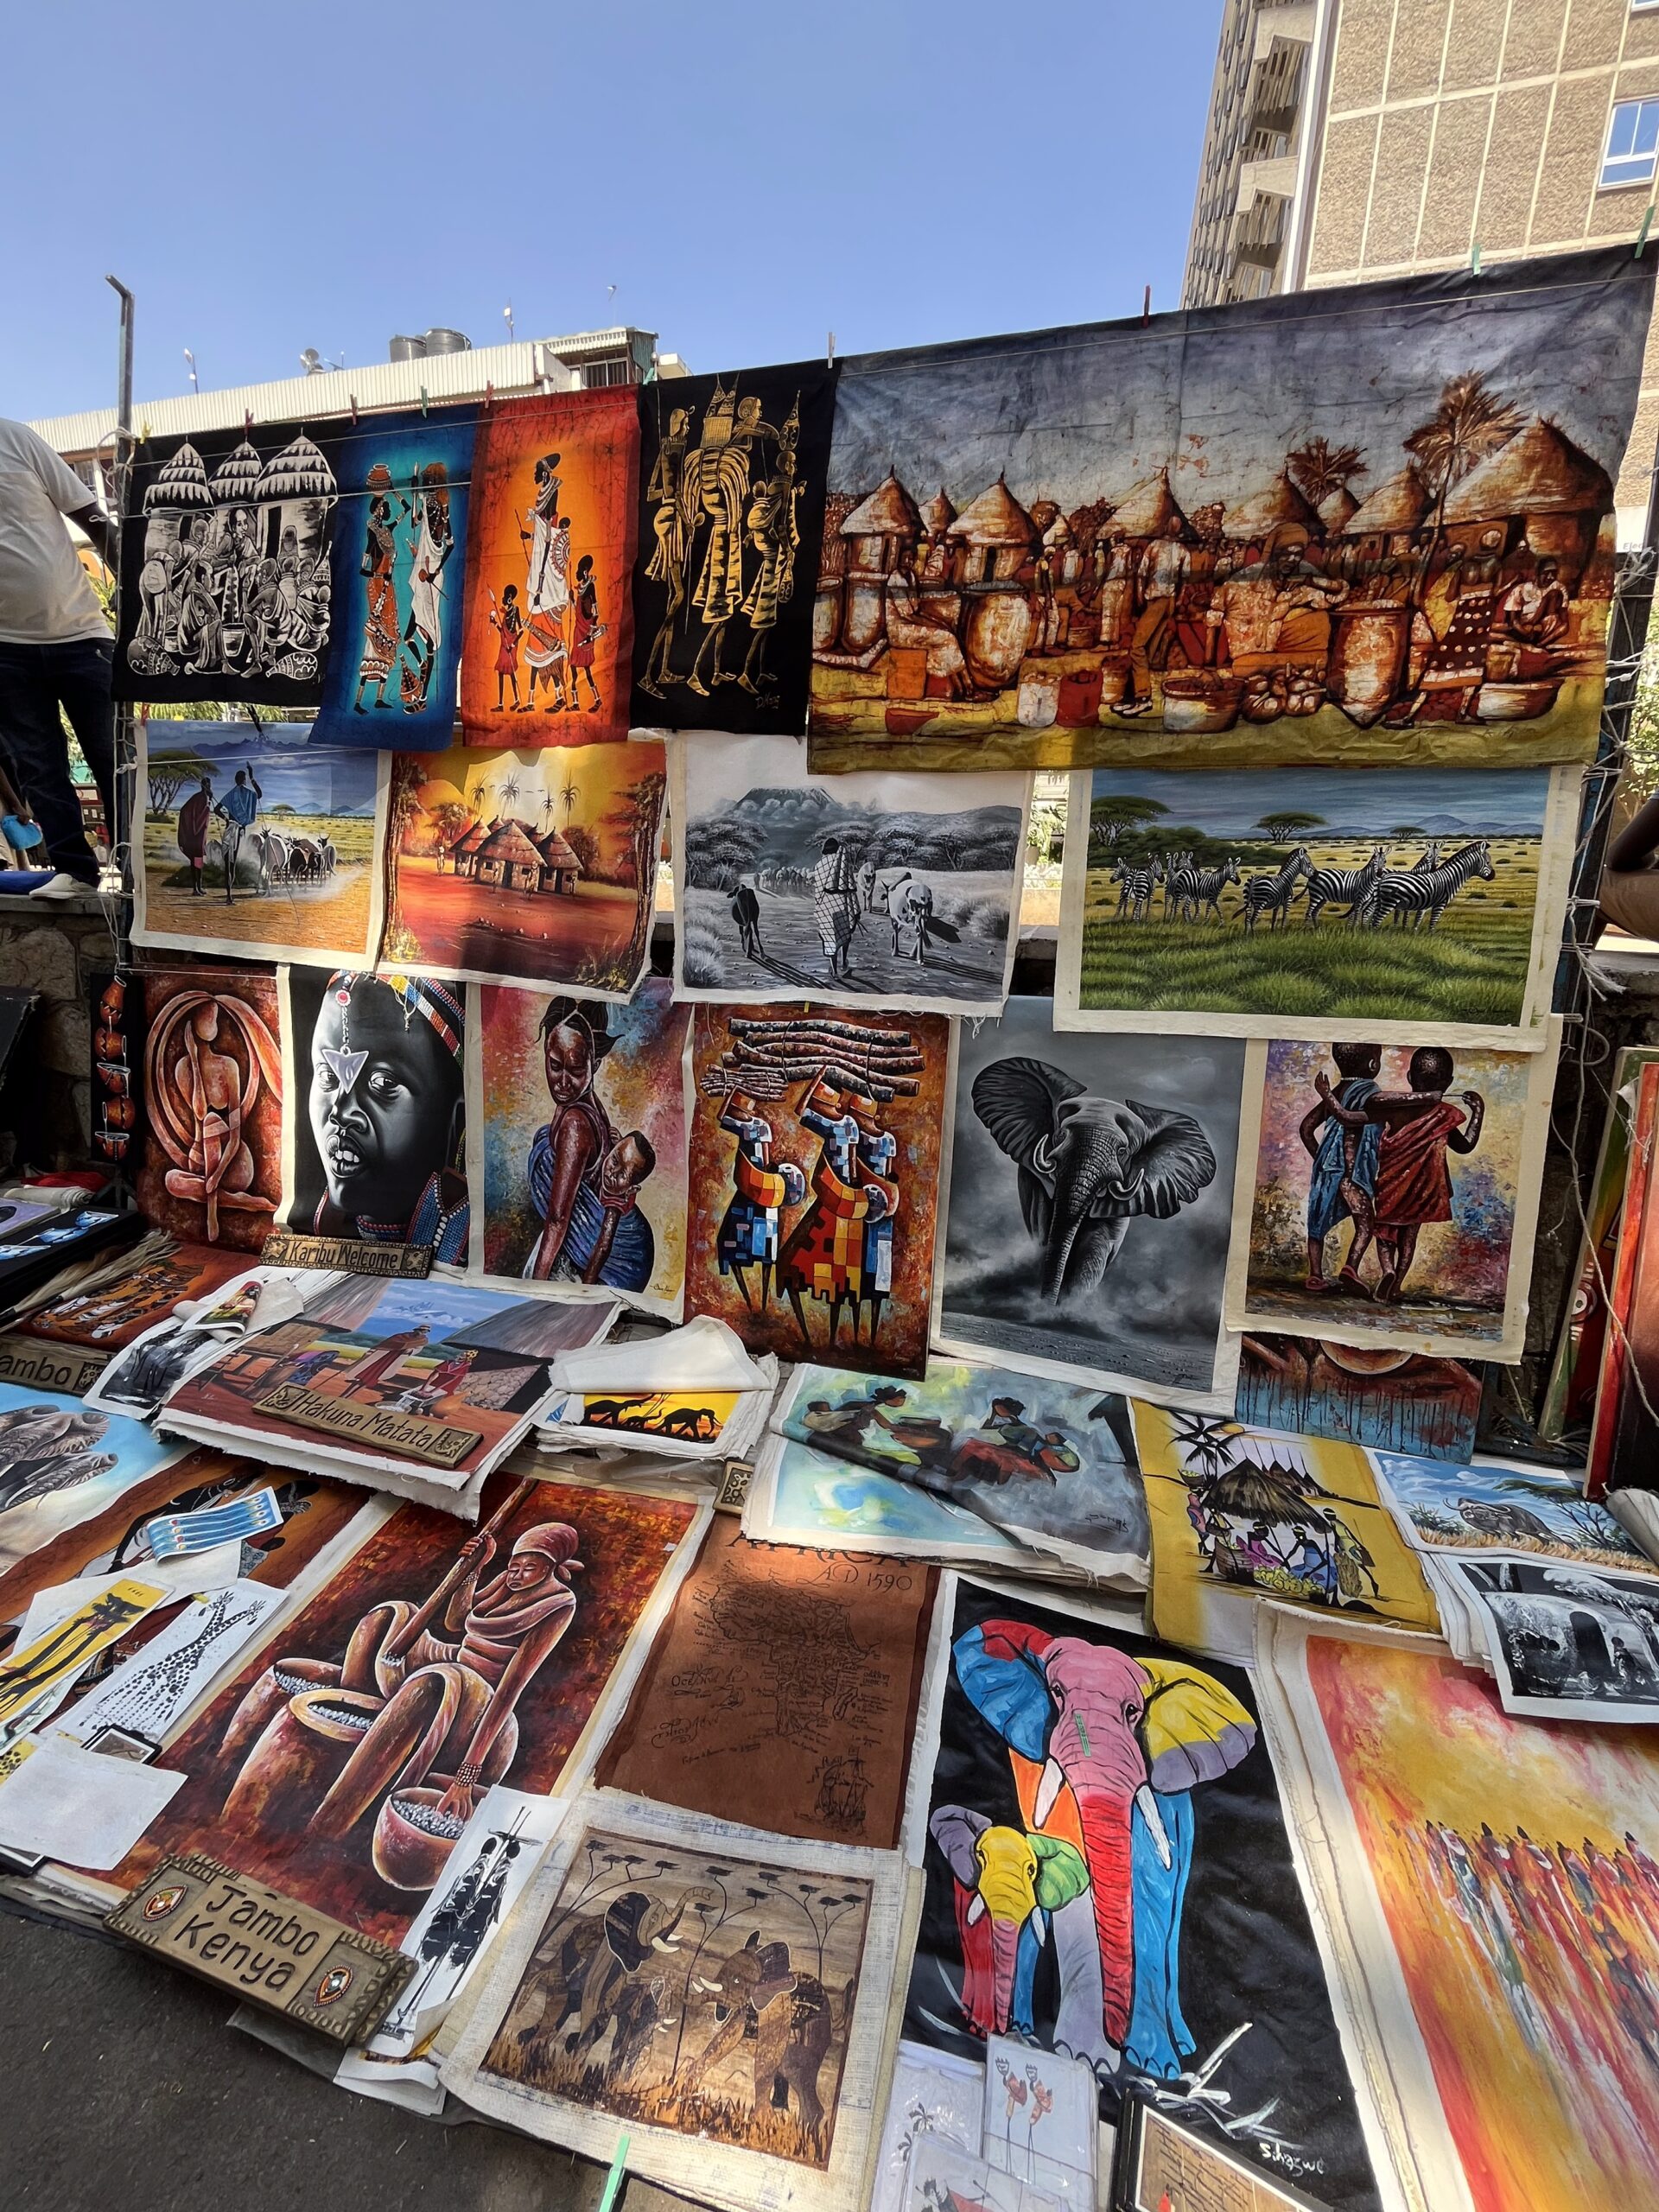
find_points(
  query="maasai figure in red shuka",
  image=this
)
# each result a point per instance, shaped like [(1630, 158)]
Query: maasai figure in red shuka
[(1414, 1179), (829, 1253)]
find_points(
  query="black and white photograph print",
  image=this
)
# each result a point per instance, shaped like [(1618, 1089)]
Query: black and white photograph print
[(903, 890), (1565, 1643), (1089, 1200)]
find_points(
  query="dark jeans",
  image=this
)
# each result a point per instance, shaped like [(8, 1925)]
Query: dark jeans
[(34, 682)]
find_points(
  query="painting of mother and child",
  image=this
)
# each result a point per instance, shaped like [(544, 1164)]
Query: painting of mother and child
[(1390, 1193)]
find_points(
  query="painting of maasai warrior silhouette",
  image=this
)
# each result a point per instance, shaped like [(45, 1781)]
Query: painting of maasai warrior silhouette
[(814, 1160), (1108, 1876), (549, 621), (1377, 531), (399, 567), (731, 510), (226, 586), (1395, 1194), (211, 1164), (896, 889), (345, 1758), (530, 868), (256, 846), (579, 1144)]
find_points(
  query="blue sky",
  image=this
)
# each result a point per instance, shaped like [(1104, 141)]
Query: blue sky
[(1228, 803), (748, 177)]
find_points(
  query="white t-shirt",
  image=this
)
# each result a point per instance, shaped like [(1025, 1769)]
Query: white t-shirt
[(46, 596)]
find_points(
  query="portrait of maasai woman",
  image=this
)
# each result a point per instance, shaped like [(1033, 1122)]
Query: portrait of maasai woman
[(584, 1176), (375, 1134)]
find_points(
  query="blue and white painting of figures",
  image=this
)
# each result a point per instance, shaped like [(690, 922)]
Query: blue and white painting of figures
[(61, 1462), (256, 843), (1492, 1505), (1266, 902), (897, 891)]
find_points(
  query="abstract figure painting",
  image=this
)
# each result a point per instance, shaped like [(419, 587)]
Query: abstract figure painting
[(211, 1162), (1257, 903), (257, 848), (1489, 1890), (225, 583), (398, 575), (1387, 1400), (732, 472), (579, 1145), (1379, 532), (343, 1763), (1388, 1195), (549, 565), (1103, 1826), (526, 868), (374, 1118), (815, 1141), (1087, 1221)]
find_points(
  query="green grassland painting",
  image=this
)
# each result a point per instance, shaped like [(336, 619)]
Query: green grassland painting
[(1263, 902)]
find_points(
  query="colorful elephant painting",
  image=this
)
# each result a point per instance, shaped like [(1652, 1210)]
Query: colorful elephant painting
[(1105, 1749)]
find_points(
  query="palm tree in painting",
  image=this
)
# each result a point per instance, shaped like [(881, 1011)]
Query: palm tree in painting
[(570, 792), (1318, 468), (1470, 423)]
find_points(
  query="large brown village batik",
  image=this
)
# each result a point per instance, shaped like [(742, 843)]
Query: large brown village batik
[(1369, 525)]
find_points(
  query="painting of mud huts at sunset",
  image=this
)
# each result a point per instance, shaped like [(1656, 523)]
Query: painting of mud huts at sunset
[(1347, 539)]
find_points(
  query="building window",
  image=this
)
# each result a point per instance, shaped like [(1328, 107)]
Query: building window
[(619, 368), (1632, 143)]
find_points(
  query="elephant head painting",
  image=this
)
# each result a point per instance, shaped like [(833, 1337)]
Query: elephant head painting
[(1087, 1165), (1106, 1750)]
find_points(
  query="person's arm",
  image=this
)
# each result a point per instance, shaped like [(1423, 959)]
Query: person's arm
[(1314, 1119), (573, 1148), (1466, 1139), (478, 1551), (1635, 845), (253, 785), (106, 541)]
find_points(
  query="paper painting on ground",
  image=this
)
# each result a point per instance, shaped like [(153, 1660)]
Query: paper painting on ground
[(1238, 1516), (374, 1142), (226, 584), (942, 2178), (1272, 903), (1375, 531), (783, 1693), (257, 850), (1565, 1643), (1041, 2120), (112, 1315), (579, 1143), (210, 1168), (1051, 1467), (814, 1155), (1488, 1888), (1389, 1194), (1504, 1506), (1089, 1215), (549, 566), (1108, 1876), (399, 569), (148, 1694), (344, 1761), (720, 1993), (1387, 1400), (803, 1497), (901, 890), (60, 1464), (928, 2095), (732, 472), (438, 1374), (531, 867), (137, 1380)]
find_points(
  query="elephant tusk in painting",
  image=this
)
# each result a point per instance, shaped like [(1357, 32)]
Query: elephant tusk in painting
[(1048, 1789), (975, 1909), (1147, 1805)]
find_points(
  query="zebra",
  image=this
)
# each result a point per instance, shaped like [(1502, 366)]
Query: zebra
[(1194, 888), (1401, 894), (1135, 897), (1272, 894), (1171, 869), (1430, 857), (1347, 886)]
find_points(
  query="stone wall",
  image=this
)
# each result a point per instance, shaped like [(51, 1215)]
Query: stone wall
[(55, 948)]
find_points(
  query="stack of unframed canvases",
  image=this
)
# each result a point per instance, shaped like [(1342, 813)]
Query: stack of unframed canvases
[(1064, 1736)]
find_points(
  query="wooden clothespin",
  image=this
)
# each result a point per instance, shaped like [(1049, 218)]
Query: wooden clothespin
[(422, 402), (1642, 234), (1474, 258), (352, 395), (247, 422), (829, 350), (489, 395), (1146, 307), (614, 2179)]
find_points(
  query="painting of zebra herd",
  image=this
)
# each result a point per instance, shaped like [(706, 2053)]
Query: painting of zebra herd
[(1280, 902), (256, 844)]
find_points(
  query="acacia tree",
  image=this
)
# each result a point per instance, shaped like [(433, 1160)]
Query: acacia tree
[(1280, 829), (1110, 820)]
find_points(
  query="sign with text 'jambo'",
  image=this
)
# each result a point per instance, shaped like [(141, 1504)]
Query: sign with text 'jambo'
[(269, 1949)]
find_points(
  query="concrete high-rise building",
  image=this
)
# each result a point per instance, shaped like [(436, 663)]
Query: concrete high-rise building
[(1355, 139)]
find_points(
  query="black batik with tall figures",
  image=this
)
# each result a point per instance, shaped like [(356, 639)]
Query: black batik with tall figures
[(225, 584), (1109, 1875), (732, 475)]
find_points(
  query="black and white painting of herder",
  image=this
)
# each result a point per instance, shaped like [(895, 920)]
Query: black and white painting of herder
[(1090, 1205), (901, 889), (1565, 1643)]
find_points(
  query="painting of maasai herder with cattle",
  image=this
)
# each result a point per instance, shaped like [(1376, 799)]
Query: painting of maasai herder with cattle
[(1366, 533), (1270, 902), (892, 888), (256, 844)]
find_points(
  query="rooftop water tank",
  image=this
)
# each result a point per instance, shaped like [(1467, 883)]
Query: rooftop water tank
[(448, 341), (405, 349)]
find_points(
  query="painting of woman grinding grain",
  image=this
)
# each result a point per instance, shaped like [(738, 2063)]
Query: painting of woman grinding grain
[(343, 1763)]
